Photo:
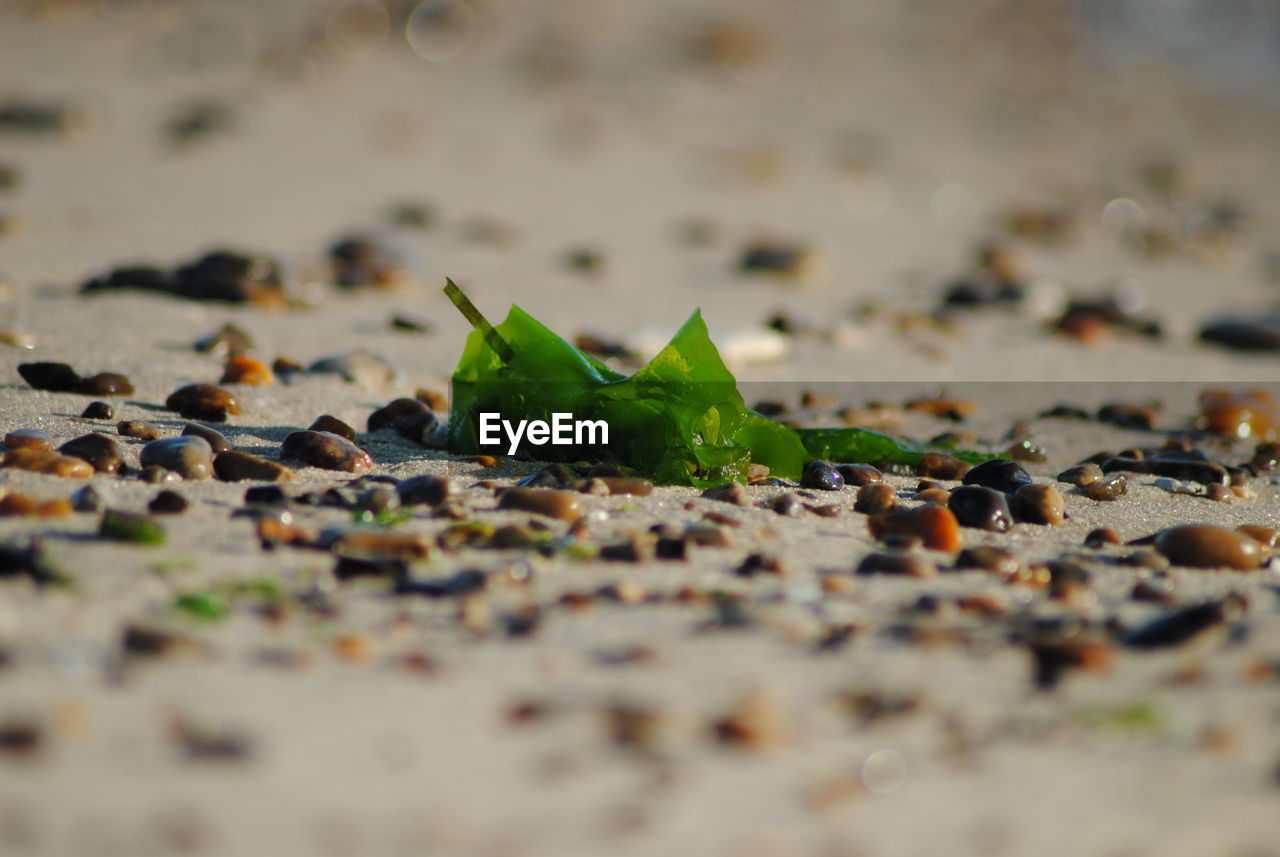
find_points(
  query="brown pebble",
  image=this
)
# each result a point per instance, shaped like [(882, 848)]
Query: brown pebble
[(51, 463), (326, 450), (563, 505), (98, 411), (1110, 488), (377, 545), (228, 340), (36, 440), (22, 505), (1052, 659), (242, 369), (233, 466), (396, 412), (788, 505), (935, 525), (939, 496), (203, 402), (1219, 493), (939, 466), (754, 723), (1268, 537), (154, 474), (167, 503), (106, 384), (707, 536), (333, 425), (1209, 546), (1102, 536), (897, 563), (989, 558), (858, 475), (217, 440), (1082, 475), (488, 462), (1038, 504), (138, 429), (1253, 413), (730, 492), (189, 456), (626, 485), (101, 451), (875, 498)]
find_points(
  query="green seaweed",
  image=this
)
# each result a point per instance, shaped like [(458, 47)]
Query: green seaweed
[(680, 419)]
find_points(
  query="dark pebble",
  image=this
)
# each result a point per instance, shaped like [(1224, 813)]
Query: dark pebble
[(55, 377), (788, 505), (551, 476), (409, 325), (1065, 412), (1038, 504), (859, 474), (425, 490), (821, 476), (168, 503), (1204, 472), (417, 428), (1082, 475), (98, 411), (189, 457), (333, 425), (203, 402), (138, 429), (1244, 334), (392, 414), (905, 564), (98, 449), (990, 558), (360, 262), (217, 440), (87, 499), (1182, 625), (1102, 536), (730, 492), (233, 466), (998, 473), (761, 563), (265, 495), (875, 498), (981, 508), (1143, 417), (326, 450), (461, 584), (106, 384)]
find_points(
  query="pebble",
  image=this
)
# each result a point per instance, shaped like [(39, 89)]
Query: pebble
[(155, 474), (1174, 466), (981, 508), (788, 505), (730, 492), (167, 503), (935, 526), (36, 440), (821, 476), (1101, 536), (936, 465), (789, 261), (939, 496), (364, 544), (1244, 334), (1038, 504), (1268, 537), (217, 440), (1220, 493), (23, 505), (101, 451), (990, 558), (875, 499), (1142, 417), (227, 341), (563, 505), (1082, 475), (87, 499), (188, 456), (1111, 488), (55, 377), (243, 369), (358, 262), (1184, 624), (859, 474), (128, 527), (203, 402), (225, 275), (98, 411), (51, 463), (1054, 657), (396, 412), (326, 450), (897, 563), (1173, 486), (1252, 413), (1001, 474), (333, 425), (365, 368), (230, 465), (106, 384), (425, 490), (1209, 546), (138, 429)]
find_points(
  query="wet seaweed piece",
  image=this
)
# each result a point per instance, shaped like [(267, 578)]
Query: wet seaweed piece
[(679, 419)]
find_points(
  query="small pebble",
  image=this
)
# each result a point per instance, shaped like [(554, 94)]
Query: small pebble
[(788, 505), (36, 440), (188, 456), (935, 526), (1220, 493), (1038, 504), (563, 505), (87, 499), (730, 492), (990, 558), (875, 498), (106, 384), (981, 508), (365, 368), (55, 377), (153, 475), (138, 429), (396, 412), (51, 463), (326, 450), (1244, 334), (22, 505), (1252, 413), (1184, 624), (101, 451), (1174, 486), (333, 425), (227, 341), (425, 490), (98, 411), (1143, 417), (936, 465), (821, 476), (1209, 546), (859, 474), (1001, 474), (167, 503), (1110, 488), (1102, 536), (233, 466), (1082, 475), (1268, 537), (203, 402), (897, 563), (1174, 466), (243, 369), (217, 440), (938, 496)]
